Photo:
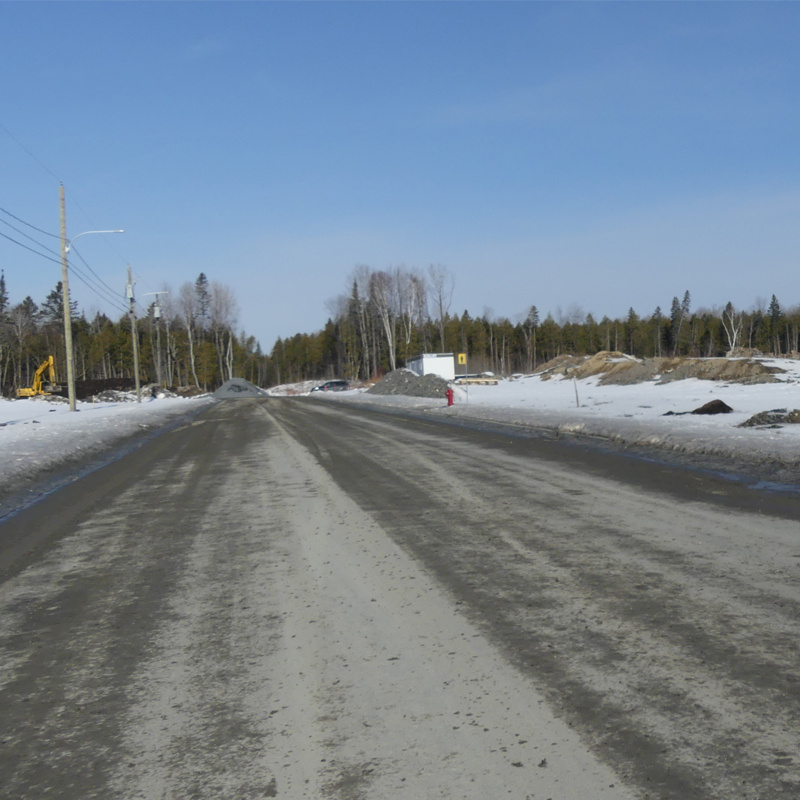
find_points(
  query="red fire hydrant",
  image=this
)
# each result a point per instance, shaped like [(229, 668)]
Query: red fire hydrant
[(450, 396)]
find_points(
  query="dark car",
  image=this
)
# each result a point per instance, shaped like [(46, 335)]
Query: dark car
[(332, 386)]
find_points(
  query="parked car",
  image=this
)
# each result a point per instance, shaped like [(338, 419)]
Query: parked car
[(332, 386)]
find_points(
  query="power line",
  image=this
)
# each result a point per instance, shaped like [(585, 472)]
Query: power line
[(97, 277), (102, 293), (18, 219), (99, 287), (42, 255), (11, 135), (47, 233), (30, 238), (96, 284), (85, 282)]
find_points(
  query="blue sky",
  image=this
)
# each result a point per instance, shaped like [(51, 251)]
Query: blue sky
[(592, 155)]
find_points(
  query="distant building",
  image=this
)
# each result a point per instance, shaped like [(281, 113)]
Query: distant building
[(441, 364)]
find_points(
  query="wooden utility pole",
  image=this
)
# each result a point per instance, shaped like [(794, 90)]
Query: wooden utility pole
[(134, 337), (69, 355)]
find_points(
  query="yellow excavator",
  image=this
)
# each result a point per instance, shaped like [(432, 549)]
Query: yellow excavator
[(38, 386)]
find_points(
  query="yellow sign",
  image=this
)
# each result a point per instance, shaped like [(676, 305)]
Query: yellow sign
[(462, 358)]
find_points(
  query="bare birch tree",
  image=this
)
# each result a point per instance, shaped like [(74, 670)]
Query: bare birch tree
[(222, 312), (411, 297), (732, 323), (383, 297), (187, 307), (359, 302), (441, 285)]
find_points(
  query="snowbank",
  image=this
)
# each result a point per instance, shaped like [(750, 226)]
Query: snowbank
[(40, 434)]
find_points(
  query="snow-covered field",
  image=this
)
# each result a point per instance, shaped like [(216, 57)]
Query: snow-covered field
[(631, 414), (38, 434)]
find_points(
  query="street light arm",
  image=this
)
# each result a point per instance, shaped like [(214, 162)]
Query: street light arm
[(69, 243)]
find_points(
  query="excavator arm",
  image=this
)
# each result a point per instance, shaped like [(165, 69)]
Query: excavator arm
[(37, 386)]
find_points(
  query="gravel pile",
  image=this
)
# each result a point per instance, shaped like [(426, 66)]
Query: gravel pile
[(236, 389), (113, 396), (405, 382), (773, 419)]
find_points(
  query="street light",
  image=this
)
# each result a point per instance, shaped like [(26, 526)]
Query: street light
[(66, 246), (69, 243)]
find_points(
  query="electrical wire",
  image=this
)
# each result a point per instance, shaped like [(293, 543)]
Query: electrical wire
[(116, 303), (11, 135), (100, 288), (97, 286), (41, 255), (18, 219), (30, 238), (106, 287)]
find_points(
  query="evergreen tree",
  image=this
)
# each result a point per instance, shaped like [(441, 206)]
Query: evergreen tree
[(658, 319), (52, 310), (774, 311), (675, 311), (3, 296), (203, 294), (631, 328), (529, 329), (775, 315), (679, 314)]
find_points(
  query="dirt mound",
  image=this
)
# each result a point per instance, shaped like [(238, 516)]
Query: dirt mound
[(558, 366), (772, 419), (619, 368), (722, 369), (405, 382), (607, 363)]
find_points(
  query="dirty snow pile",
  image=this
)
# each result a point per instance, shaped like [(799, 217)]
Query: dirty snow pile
[(291, 389), (654, 412), (405, 382), (40, 433)]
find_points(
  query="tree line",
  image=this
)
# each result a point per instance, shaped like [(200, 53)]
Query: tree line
[(186, 339), (388, 316), (384, 317)]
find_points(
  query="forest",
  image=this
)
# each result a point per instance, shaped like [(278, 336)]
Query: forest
[(187, 339), (387, 316)]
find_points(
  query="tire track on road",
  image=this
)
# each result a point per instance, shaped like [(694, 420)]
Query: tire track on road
[(682, 663)]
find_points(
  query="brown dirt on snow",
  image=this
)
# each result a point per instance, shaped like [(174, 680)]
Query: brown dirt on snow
[(618, 368)]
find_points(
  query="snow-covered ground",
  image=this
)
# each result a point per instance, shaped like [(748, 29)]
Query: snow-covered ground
[(39, 434), (631, 414)]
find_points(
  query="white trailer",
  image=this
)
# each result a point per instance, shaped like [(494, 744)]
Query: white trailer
[(441, 364)]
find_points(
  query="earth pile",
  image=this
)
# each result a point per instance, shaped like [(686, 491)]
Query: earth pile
[(619, 368)]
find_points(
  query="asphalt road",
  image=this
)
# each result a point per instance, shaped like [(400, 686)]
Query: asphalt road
[(292, 598)]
